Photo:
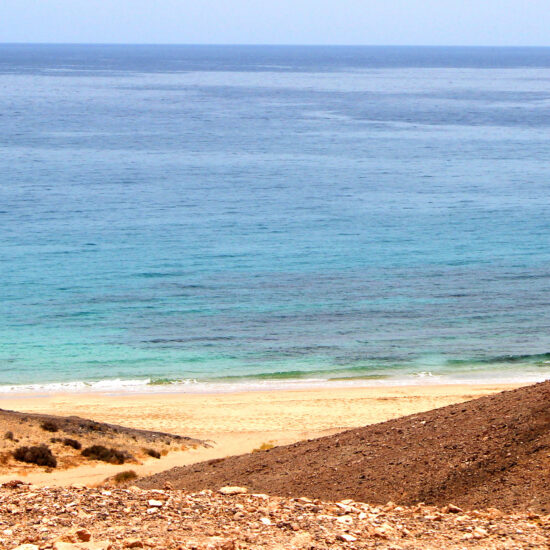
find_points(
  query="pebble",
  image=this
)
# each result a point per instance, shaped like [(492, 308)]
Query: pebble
[(345, 519), (346, 538), (233, 490), (100, 545), (452, 509), (133, 543)]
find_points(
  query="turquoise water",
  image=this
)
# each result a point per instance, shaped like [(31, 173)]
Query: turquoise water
[(200, 218)]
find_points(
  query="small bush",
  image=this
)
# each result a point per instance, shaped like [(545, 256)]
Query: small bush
[(73, 443), (264, 447), (113, 456), (152, 452), (9, 436), (41, 456), (49, 426), (123, 477)]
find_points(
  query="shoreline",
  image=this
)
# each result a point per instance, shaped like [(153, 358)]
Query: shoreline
[(138, 387), (238, 422)]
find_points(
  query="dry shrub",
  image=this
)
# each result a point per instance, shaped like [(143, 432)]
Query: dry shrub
[(49, 426), (40, 455), (123, 477), (9, 436), (73, 443), (152, 453), (113, 456), (5, 458), (264, 447)]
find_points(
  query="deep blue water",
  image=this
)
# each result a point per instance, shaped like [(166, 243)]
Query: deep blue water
[(265, 214)]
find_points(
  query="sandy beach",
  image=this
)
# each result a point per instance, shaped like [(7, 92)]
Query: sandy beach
[(237, 423)]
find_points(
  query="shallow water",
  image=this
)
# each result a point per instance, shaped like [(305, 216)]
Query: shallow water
[(273, 215)]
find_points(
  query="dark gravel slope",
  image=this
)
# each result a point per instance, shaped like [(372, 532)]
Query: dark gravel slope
[(488, 452)]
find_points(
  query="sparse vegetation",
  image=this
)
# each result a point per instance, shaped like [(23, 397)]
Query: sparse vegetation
[(9, 436), (40, 455), (264, 447), (113, 456), (49, 426), (73, 443), (152, 453), (123, 477)]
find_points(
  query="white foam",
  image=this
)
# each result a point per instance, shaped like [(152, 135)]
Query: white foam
[(148, 386)]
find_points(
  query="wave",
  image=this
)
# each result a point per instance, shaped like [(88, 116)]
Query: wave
[(239, 384), (382, 371), (533, 359)]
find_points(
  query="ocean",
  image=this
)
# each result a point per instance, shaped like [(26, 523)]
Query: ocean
[(211, 218)]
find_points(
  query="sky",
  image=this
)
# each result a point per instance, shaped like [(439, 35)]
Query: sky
[(371, 22)]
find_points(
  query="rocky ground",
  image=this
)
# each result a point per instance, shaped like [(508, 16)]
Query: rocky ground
[(100, 519)]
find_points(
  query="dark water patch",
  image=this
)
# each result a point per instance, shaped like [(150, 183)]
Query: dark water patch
[(164, 381), (534, 359), (189, 339), (126, 60)]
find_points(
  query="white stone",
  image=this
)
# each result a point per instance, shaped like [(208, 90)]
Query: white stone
[(346, 538), (344, 519)]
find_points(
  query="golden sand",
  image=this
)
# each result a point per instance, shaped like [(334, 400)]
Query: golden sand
[(238, 422)]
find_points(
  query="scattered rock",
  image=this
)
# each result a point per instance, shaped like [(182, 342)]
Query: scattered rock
[(13, 484), (452, 509), (99, 545), (75, 535), (133, 543), (220, 544), (480, 533), (126, 519), (83, 535), (233, 490)]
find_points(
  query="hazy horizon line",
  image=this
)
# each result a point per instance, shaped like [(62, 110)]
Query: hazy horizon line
[(267, 44)]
